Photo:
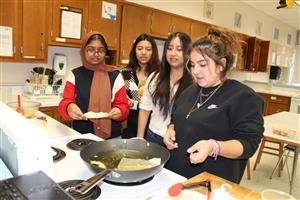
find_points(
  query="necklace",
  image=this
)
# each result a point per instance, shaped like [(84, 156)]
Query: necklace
[(199, 103)]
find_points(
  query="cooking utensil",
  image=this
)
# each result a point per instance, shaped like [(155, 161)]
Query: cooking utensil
[(88, 184), (19, 109), (45, 71), (176, 189), (89, 152)]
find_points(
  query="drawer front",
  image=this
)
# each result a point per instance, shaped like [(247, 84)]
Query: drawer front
[(277, 107), (280, 99)]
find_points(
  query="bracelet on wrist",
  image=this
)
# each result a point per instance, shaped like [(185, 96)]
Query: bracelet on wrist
[(216, 149)]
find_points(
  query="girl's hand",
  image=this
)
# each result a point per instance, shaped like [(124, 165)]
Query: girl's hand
[(169, 138), (75, 112), (199, 151), (115, 113)]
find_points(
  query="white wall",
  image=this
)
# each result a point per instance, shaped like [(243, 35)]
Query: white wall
[(17, 73)]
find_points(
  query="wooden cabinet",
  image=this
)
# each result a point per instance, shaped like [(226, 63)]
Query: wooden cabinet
[(56, 9), (265, 98), (28, 23), (275, 103), (34, 26), (52, 111), (9, 14), (110, 28), (162, 24), (135, 21), (257, 55), (199, 29)]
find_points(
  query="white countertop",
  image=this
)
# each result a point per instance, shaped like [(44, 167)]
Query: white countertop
[(276, 92), (54, 128), (270, 89)]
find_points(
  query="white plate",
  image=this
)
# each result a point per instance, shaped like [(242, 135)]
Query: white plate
[(94, 115)]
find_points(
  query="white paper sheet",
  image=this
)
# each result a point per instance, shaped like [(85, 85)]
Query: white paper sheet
[(6, 41), (71, 24)]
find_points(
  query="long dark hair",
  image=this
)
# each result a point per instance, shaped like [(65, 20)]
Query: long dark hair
[(153, 63), (161, 94)]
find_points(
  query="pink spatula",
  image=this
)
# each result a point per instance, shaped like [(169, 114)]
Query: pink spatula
[(19, 108)]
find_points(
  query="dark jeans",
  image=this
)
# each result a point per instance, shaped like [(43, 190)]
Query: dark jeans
[(153, 137)]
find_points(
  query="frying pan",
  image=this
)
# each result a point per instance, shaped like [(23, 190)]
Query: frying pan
[(126, 176)]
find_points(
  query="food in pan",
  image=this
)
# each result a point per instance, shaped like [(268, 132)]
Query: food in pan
[(124, 160)]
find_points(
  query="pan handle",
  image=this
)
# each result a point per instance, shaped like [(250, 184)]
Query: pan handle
[(88, 184)]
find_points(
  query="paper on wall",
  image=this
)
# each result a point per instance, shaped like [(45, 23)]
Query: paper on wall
[(6, 41)]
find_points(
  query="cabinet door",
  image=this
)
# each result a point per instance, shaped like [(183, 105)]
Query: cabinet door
[(160, 24), (9, 20), (180, 24), (33, 42), (265, 98), (277, 107), (55, 22), (198, 30), (135, 21), (110, 28), (263, 56), (253, 54)]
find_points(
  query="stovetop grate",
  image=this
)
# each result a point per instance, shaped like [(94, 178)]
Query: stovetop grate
[(80, 143), (60, 154)]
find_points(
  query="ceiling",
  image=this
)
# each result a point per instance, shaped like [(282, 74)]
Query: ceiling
[(290, 16)]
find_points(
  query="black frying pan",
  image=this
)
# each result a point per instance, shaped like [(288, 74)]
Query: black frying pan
[(126, 176)]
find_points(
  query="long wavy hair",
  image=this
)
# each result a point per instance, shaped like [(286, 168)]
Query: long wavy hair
[(161, 94), (153, 63)]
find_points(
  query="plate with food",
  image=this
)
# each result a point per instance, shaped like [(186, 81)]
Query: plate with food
[(96, 115)]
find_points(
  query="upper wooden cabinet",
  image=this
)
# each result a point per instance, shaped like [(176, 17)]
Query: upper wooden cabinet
[(110, 28), (27, 21), (198, 29), (135, 21), (34, 26), (162, 24), (257, 54), (9, 14), (56, 8)]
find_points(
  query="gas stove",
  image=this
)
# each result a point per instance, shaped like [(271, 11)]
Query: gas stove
[(72, 167)]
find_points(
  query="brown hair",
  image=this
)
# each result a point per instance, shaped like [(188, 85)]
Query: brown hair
[(217, 44)]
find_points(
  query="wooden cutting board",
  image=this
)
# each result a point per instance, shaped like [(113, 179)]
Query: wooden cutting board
[(237, 191)]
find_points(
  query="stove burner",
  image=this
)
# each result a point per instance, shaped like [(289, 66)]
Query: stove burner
[(130, 184), (94, 193), (78, 144), (60, 154)]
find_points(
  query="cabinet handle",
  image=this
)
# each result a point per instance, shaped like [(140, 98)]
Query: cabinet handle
[(42, 47), (273, 98), (14, 50), (21, 50), (173, 29), (29, 57)]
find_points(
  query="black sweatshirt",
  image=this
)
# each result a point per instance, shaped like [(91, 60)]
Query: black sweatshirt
[(233, 112)]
